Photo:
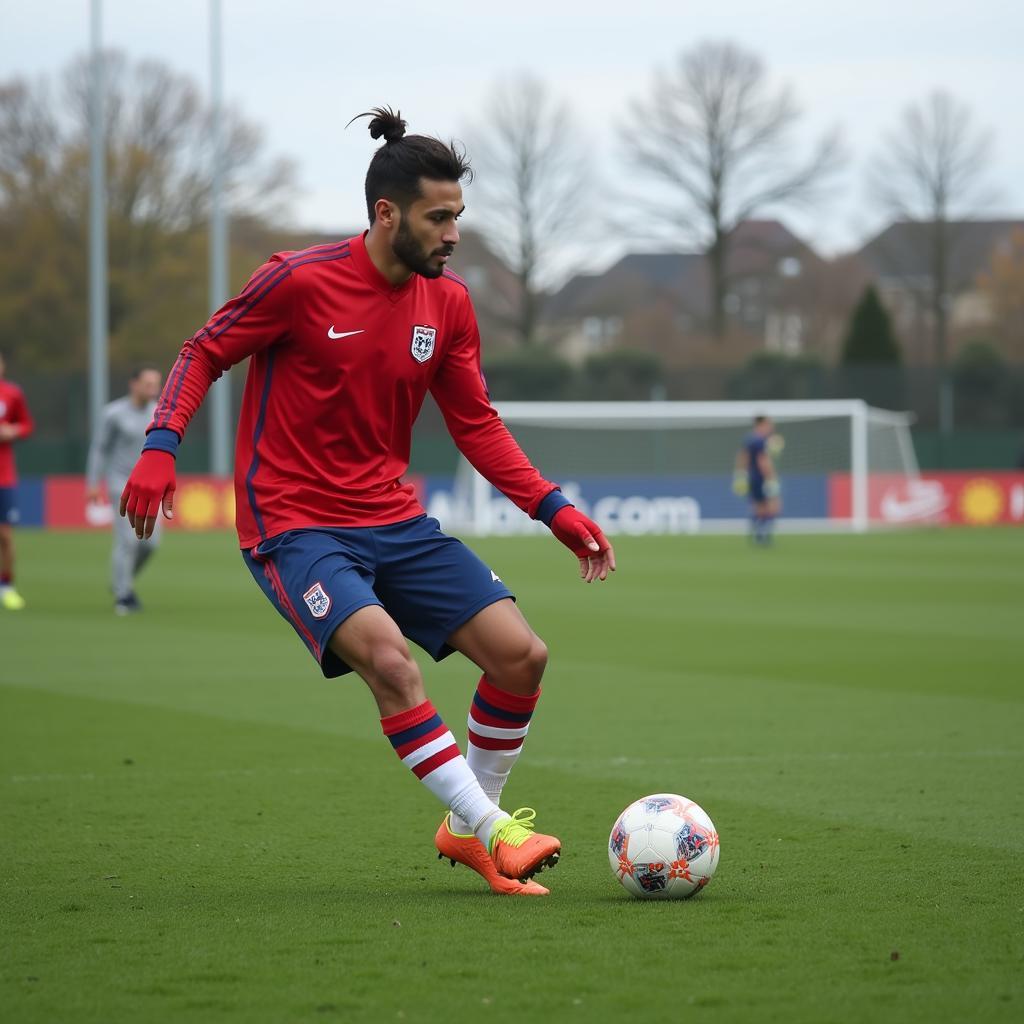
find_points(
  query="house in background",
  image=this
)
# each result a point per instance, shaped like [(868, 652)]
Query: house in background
[(899, 260), (661, 302)]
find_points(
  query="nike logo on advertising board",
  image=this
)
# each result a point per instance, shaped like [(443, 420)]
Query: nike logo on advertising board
[(921, 499), (332, 333)]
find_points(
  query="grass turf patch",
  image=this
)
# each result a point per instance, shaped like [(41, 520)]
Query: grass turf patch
[(198, 827)]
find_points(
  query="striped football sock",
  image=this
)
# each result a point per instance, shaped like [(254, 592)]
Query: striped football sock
[(498, 723), (426, 746)]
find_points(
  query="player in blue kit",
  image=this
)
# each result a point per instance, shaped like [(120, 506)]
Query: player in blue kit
[(755, 478)]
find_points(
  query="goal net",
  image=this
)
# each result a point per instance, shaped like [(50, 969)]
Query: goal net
[(666, 467)]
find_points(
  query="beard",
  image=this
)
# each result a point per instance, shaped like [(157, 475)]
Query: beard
[(414, 256)]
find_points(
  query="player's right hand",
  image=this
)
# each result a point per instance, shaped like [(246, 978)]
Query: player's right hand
[(740, 486), (150, 486)]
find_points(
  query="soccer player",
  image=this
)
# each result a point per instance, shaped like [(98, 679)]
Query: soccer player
[(755, 478), (112, 455), (15, 424), (345, 342)]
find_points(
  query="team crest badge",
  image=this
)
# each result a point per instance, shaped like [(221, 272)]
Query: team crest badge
[(423, 343), (317, 600)]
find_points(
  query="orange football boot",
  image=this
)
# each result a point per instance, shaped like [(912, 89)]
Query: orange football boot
[(518, 851), (470, 851)]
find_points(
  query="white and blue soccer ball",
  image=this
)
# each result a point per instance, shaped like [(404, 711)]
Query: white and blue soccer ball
[(663, 847)]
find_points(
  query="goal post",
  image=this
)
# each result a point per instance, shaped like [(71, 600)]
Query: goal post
[(666, 467)]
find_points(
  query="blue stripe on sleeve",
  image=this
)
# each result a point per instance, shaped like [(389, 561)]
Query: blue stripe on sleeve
[(162, 439), (550, 505)]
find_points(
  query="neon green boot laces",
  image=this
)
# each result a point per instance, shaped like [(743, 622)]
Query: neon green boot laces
[(516, 830)]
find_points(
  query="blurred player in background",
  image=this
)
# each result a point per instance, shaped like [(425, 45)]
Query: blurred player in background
[(755, 478), (345, 342), (112, 454), (15, 425)]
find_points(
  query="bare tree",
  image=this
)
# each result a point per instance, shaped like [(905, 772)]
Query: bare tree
[(531, 185), (160, 152), (716, 142), (159, 161), (930, 173)]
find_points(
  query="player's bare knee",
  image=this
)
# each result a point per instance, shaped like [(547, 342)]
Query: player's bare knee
[(522, 670), (537, 658), (391, 669)]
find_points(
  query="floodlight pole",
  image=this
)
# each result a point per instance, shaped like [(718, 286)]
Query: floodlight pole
[(99, 356), (220, 397)]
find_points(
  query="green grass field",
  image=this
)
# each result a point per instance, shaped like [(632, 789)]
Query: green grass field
[(197, 827)]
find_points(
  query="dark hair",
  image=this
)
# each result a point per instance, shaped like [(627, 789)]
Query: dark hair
[(396, 168), (141, 368), (758, 420)]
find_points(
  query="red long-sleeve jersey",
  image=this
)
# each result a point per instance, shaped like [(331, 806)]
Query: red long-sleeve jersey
[(341, 361), (13, 411)]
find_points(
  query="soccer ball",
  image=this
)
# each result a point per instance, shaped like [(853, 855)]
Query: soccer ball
[(663, 847)]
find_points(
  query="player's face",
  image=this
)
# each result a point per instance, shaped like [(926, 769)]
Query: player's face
[(146, 387), (427, 230)]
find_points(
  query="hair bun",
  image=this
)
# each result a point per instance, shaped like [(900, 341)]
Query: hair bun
[(387, 123), (383, 121)]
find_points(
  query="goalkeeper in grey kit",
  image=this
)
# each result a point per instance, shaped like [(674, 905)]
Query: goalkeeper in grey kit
[(112, 455)]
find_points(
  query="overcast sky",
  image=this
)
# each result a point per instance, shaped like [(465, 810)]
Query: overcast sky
[(302, 68)]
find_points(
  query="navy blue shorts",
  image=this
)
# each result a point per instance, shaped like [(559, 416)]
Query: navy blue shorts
[(428, 582), (755, 489), (8, 506)]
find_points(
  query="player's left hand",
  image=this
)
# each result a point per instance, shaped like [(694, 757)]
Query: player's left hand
[(583, 537), (149, 488)]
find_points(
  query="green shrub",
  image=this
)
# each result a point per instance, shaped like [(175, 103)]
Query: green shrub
[(528, 375)]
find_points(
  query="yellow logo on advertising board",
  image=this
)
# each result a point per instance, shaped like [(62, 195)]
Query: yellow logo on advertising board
[(981, 502), (198, 507)]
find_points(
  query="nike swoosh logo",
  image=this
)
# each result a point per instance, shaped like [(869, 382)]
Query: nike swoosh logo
[(332, 333), (924, 500)]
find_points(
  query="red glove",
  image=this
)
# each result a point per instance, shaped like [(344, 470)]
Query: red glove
[(150, 486), (582, 536)]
